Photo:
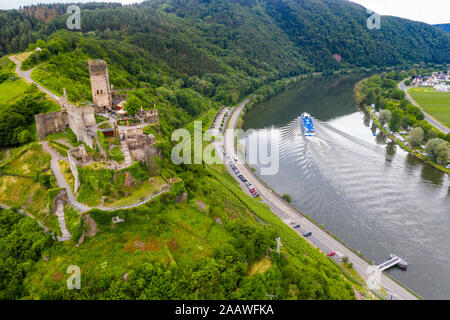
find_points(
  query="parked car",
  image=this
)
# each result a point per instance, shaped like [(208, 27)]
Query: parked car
[(296, 226), (256, 195), (332, 253), (307, 234)]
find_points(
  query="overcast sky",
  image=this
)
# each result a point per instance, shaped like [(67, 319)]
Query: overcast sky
[(429, 11)]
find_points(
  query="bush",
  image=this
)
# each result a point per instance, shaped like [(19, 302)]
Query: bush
[(287, 197)]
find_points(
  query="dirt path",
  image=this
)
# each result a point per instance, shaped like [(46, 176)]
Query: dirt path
[(60, 180)]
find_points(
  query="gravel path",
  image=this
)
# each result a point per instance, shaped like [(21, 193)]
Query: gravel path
[(26, 75)]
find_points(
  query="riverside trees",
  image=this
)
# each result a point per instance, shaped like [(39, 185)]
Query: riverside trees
[(415, 137), (437, 149), (384, 116)]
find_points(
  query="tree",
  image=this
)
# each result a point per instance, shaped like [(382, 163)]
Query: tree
[(396, 118), (380, 103), (370, 98), (397, 94), (133, 105), (406, 122), (384, 116), (415, 137), (437, 149), (431, 134)]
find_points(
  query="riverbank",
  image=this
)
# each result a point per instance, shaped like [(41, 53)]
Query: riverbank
[(415, 153), (386, 94)]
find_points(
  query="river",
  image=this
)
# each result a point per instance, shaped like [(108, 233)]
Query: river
[(370, 193)]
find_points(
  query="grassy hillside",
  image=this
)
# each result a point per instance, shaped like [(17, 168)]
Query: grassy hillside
[(206, 247), (25, 181)]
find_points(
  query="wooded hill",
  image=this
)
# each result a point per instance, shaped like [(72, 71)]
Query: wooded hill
[(277, 38)]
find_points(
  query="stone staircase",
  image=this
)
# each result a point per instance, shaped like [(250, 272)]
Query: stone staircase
[(125, 152), (62, 222)]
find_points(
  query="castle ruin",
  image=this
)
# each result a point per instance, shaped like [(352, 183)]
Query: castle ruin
[(101, 89), (139, 143), (79, 119)]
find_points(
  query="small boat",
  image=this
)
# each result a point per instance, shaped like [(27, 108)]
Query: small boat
[(307, 125), (402, 264)]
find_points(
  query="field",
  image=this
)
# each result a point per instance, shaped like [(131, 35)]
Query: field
[(437, 104), (12, 89)]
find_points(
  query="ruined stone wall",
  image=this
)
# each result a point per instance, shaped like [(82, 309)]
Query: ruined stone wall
[(50, 123), (139, 143), (151, 116), (100, 86), (80, 119), (74, 169)]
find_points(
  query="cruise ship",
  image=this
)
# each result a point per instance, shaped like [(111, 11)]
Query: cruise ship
[(307, 125)]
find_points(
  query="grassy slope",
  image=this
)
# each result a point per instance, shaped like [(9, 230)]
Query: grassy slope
[(18, 186), (12, 89), (437, 104), (180, 234)]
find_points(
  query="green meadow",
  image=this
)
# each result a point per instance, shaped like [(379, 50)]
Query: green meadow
[(437, 104), (12, 89)]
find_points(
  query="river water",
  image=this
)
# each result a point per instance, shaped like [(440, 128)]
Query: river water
[(373, 195)]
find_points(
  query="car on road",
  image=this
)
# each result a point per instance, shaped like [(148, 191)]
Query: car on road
[(241, 176), (294, 224), (255, 195), (331, 254), (235, 158), (307, 234)]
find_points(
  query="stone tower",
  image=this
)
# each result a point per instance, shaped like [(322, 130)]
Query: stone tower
[(101, 89)]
